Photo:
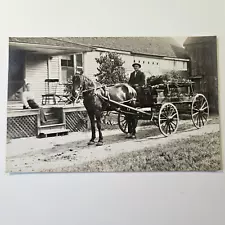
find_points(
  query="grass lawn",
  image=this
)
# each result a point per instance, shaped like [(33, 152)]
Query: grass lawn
[(197, 153)]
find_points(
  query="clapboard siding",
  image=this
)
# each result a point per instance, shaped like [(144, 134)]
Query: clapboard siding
[(54, 67), (55, 72), (90, 64), (36, 72)]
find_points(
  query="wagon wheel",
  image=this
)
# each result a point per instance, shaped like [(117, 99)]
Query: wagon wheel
[(106, 118), (168, 119), (199, 111), (122, 123)]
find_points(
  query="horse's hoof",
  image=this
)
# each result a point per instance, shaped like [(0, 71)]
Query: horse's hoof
[(91, 143), (100, 143)]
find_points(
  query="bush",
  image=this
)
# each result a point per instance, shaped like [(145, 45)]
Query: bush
[(110, 70)]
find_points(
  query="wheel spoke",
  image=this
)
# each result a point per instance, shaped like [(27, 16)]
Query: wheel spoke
[(162, 115), (172, 110), (169, 129), (196, 120), (124, 121), (205, 117), (173, 124), (174, 115), (162, 122), (203, 104), (205, 108), (165, 113), (202, 121), (199, 121), (125, 127), (195, 109), (195, 114)]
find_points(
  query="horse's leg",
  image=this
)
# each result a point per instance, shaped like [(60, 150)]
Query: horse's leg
[(98, 119), (129, 124), (93, 134), (134, 125)]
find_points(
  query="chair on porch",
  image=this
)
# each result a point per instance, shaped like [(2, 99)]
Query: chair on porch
[(50, 91), (66, 98)]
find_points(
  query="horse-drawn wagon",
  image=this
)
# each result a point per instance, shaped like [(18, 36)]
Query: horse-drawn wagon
[(160, 101)]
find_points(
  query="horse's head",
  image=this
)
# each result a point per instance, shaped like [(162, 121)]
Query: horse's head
[(77, 85)]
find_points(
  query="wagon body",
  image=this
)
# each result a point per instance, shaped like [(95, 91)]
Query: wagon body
[(162, 104)]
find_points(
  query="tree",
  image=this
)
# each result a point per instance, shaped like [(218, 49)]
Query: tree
[(110, 70)]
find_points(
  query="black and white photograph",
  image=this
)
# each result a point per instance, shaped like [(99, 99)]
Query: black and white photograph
[(113, 104)]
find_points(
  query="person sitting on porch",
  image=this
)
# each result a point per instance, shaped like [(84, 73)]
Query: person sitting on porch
[(29, 102)]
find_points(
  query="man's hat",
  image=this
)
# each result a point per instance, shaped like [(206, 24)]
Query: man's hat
[(136, 64)]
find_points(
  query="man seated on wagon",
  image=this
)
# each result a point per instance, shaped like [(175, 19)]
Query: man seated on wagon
[(137, 80)]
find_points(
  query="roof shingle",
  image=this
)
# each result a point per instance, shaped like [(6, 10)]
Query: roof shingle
[(160, 46)]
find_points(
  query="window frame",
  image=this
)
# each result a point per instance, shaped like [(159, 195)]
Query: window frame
[(61, 80)]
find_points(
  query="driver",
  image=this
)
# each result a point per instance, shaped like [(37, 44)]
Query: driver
[(137, 79)]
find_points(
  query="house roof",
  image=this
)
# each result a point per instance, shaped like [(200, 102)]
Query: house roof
[(42, 41), (159, 46), (199, 39), (46, 45)]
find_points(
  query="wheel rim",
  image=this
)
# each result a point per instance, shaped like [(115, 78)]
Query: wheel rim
[(168, 119), (199, 111), (122, 123)]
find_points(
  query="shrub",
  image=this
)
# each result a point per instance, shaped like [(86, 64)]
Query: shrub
[(110, 70)]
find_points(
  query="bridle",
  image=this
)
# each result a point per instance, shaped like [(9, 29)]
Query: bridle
[(82, 89)]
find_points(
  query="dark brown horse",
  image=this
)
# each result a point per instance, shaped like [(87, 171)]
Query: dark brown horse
[(95, 104)]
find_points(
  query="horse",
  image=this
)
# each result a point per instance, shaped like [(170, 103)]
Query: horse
[(93, 93)]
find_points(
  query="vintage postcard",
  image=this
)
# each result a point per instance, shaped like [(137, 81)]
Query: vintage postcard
[(113, 104)]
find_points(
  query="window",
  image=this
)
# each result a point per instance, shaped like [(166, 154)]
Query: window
[(79, 62), (153, 63), (148, 62), (134, 61), (143, 62), (67, 68)]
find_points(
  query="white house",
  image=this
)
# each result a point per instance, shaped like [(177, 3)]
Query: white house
[(35, 59)]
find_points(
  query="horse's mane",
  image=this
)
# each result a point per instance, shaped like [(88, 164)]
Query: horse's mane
[(90, 83)]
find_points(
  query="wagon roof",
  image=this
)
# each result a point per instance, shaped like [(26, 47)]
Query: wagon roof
[(158, 46)]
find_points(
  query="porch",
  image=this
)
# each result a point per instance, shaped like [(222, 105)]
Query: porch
[(26, 122)]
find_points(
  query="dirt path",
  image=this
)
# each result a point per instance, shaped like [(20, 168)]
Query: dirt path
[(38, 155)]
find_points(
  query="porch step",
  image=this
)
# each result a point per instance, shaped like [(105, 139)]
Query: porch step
[(52, 129), (52, 126), (54, 132), (52, 121)]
